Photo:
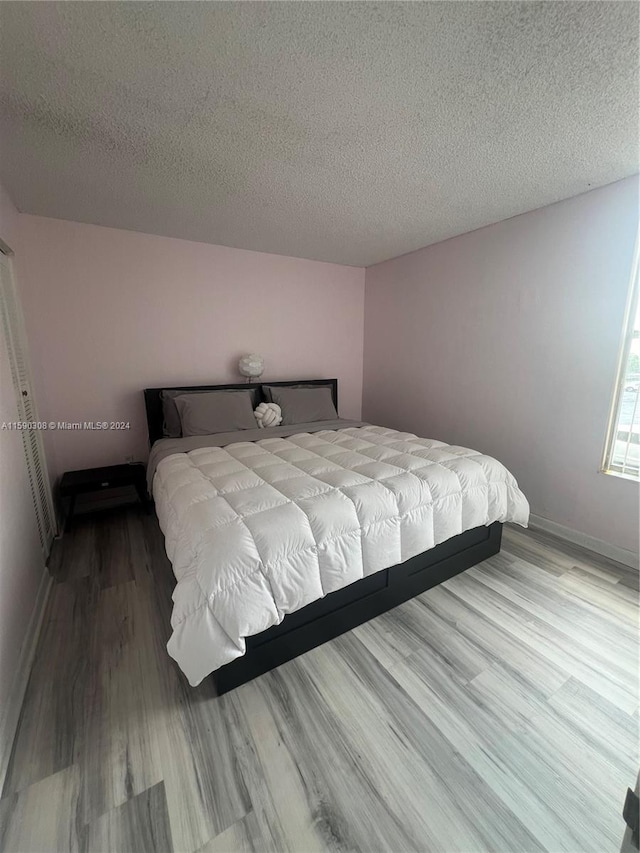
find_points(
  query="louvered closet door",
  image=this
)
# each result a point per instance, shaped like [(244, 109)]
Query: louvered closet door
[(14, 335)]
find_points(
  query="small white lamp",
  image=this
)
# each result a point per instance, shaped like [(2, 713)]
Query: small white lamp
[(251, 366)]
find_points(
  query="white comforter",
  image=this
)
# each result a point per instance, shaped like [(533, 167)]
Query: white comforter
[(258, 529)]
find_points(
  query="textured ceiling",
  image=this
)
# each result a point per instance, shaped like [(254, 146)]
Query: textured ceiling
[(347, 132)]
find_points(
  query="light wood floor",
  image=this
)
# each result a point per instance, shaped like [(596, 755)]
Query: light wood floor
[(497, 712)]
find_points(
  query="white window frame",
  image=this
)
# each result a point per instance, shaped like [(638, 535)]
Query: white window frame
[(623, 358)]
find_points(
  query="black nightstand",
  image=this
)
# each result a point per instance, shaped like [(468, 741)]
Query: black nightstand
[(76, 483)]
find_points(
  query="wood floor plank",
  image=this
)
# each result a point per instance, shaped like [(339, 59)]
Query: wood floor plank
[(583, 624), (443, 798), (506, 566), (113, 547), (495, 712), (541, 544), (54, 707), (151, 567), (529, 549), (283, 808), (612, 732), (121, 755), (493, 638), (342, 776), (247, 835), (410, 625), (74, 557), (617, 600), (545, 805), (631, 580), (205, 791), (549, 641), (140, 825), (43, 818), (387, 639), (563, 751)]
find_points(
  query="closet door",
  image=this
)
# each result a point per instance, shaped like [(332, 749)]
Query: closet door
[(14, 335)]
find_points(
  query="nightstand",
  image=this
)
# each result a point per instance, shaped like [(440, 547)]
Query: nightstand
[(76, 483)]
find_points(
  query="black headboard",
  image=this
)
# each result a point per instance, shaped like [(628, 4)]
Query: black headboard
[(153, 403)]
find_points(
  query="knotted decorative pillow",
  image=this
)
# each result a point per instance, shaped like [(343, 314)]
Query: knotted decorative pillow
[(268, 415)]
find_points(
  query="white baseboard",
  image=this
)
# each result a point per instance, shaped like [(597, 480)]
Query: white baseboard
[(613, 552), (13, 706)]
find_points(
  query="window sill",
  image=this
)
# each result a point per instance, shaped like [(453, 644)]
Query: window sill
[(630, 477)]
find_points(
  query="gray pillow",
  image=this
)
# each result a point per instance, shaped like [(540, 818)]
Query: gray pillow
[(267, 389), (304, 405), (172, 427), (215, 411)]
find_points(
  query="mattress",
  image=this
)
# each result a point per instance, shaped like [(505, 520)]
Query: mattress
[(258, 529)]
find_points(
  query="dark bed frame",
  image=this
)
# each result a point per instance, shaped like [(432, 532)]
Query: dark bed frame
[(356, 603)]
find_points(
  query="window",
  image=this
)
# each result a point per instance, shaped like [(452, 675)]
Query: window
[(622, 451)]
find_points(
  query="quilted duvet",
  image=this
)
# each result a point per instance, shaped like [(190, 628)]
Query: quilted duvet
[(256, 530)]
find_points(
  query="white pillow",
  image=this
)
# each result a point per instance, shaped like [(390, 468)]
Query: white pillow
[(268, 415)]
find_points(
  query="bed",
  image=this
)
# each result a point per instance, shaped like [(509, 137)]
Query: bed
[(283, 538)]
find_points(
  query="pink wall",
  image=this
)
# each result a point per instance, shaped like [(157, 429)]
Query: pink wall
[(111, 312), (21, 560), (506, 340)]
